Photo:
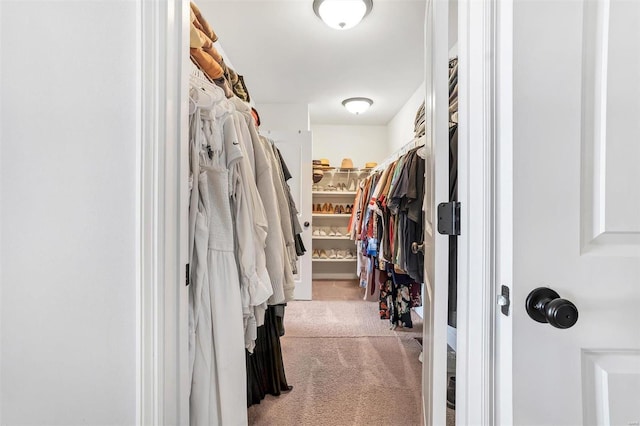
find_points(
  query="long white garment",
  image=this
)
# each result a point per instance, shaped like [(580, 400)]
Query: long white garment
[(282, 206), (250, 228), (275, 255), (218, 386), (259, 167)]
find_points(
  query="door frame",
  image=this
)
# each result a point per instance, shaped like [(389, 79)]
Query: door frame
[(162, 382), (484, 246), (483, 357)]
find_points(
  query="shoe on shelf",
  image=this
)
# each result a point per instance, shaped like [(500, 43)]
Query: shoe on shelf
[(315, 254), (341, 254), (324, 208), (322, 232), (331, 210), (332, 254), (336, 232), (323, 254), (316, 232), (352, 185), (332, 232), (347, 209)]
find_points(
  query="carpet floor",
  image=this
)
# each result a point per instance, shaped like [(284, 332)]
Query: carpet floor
[(346, 381), (346, 366), (342, 318)]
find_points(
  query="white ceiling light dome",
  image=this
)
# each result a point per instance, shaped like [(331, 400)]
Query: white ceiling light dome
[(357, 105), (342, 14)]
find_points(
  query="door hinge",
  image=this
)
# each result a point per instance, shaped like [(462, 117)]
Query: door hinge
[(449, 218), (187, 274)]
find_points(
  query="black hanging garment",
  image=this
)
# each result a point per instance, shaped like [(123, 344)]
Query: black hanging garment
[(265, 368)]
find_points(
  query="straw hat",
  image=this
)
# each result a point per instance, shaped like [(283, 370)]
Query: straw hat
[(370, 165), (347, 164), (325, 164)]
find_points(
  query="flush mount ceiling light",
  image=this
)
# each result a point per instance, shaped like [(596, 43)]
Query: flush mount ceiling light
[(357, 105), (342, 14)]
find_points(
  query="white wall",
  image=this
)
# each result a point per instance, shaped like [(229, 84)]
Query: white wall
[(283, 117), (360, 143), (400, 128), (67, 212)]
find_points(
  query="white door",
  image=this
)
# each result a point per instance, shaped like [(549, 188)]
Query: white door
[(576, 210), (295, 148), (436, 246)]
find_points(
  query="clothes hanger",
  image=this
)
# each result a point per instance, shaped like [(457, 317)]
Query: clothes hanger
[(202, 98), (200, 82)]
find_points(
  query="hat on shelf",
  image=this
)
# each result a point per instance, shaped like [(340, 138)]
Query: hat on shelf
[(317, 174), (347, 164), (325, 164), (370, 165)]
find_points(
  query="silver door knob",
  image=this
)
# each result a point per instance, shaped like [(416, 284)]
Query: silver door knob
[(417, 248)]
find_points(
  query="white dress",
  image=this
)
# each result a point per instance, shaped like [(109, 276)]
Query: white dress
[(218, 385)]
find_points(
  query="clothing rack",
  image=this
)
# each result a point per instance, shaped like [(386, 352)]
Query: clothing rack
[(197, 72), (414, 143)]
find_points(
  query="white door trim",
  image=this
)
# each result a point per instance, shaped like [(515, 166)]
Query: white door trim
[(434, 370), (502, 403), (161, 295), (479, 134)]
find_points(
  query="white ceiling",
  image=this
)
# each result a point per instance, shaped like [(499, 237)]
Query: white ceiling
[(288, 55)]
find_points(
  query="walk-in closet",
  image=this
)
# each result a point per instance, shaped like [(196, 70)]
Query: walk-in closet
[(326, 152)]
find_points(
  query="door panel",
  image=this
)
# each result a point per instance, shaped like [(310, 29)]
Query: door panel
[(295, 148), (609, 378), (611, 106), (576, 209), (436, 246)]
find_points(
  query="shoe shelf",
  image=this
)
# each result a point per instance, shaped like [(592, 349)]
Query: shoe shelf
[(349, 193), (336, 191), (315, 259), (327, 237)]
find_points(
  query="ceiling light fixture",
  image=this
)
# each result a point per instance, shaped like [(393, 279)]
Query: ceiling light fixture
[(357, 105), (342, 14)]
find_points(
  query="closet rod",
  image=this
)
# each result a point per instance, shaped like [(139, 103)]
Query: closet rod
[(414, 143)]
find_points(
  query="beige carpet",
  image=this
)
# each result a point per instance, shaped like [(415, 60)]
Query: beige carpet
[(342, 318), (338, 381), (345, 365)]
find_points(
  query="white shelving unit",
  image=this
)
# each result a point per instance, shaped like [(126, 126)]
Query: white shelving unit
[(337, 268)]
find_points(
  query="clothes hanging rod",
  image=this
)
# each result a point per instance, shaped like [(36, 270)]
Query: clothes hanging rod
[(414, 143)]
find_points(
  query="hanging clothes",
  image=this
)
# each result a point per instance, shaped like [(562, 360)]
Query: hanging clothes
[(218, 373), (238, 285), (386, 220)]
